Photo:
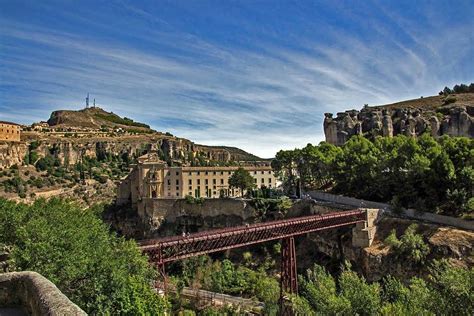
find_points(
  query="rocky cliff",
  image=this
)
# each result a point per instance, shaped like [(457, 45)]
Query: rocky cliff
[(69, 149), (451, 115), (12, 153)]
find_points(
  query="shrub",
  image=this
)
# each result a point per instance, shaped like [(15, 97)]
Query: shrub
[(410, 246), (449, 99)]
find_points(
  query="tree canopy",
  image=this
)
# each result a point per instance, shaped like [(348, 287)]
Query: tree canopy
[(72, 247), (242, 180), (432, 175), (448, 291)]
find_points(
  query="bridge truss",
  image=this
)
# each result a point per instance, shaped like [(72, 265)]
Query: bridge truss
[(168, 249)]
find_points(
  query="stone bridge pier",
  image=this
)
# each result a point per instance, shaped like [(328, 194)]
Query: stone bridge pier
[(364, 232)]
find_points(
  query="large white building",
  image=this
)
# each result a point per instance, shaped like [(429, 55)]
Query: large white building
[(152, 178)]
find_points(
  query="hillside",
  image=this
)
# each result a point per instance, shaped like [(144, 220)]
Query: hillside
[(94, 118), (431, 103)]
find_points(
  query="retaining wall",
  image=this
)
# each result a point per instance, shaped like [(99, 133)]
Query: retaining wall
[(409, 213)]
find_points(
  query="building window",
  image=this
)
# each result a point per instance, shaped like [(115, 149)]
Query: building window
[(177, 181), (177, 193), (169, 182), (214, 187), (263, 180), (269, 180), (222, 173), (190, 173), (214, 173), (198, 173), (214, 181), (177, 188), (255, 172), (199, 181), (190, 187), (190, 181), (207, 173), (190, 193), (207, 181), (255, 179), (222, 181), (177, 173), (263, 172)]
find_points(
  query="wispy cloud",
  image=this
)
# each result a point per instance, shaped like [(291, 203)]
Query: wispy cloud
[(262, 97)]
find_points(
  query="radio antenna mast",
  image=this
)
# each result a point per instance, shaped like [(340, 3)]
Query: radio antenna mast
[(87, 101)]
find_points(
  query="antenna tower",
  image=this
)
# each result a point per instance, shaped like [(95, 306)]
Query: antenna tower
[(87, 101)]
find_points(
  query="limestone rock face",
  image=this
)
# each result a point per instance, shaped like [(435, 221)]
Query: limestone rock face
[(69, 151), (12, 153), (458, 121)]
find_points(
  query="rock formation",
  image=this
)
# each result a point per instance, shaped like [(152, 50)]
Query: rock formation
[(454, 120), (69, 150), (12, 153)]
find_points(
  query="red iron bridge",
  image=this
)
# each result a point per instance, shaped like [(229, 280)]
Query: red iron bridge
[(169, 249)]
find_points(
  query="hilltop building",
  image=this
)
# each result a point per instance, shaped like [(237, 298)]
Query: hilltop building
[(9, 131), (151, 178)]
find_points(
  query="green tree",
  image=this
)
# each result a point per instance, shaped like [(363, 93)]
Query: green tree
[(73, 248), (242, 180)]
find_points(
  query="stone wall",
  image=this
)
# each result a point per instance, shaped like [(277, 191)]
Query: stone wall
[(409, 213), (9, 132), (173, 216), (36, 294), (455, 120)]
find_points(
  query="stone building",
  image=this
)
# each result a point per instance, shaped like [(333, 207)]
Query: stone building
[(9, 132), (151, 178)]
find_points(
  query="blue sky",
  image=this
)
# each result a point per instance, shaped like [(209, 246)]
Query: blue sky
[(258, 75)]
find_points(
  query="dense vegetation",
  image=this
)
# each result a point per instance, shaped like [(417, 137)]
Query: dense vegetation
[(247, 279), (448, 291), (431, 175), (462, 88), (74, 249)]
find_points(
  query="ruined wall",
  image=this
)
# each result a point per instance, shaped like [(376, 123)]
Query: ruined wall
[(454, 120), (9, 132)]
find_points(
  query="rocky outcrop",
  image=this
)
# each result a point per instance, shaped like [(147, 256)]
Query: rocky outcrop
[(12, 153), (378, 260), (69, 150), (455, 120)]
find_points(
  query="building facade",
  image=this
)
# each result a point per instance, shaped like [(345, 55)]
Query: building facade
[(152, 178), (9, 132)]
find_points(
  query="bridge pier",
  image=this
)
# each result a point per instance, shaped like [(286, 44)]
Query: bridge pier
[(289, 277)]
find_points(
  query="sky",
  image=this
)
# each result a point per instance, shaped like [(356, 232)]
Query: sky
[(258, 75)]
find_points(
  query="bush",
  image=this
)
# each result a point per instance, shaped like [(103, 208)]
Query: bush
[(410, 246), (449, 99)]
